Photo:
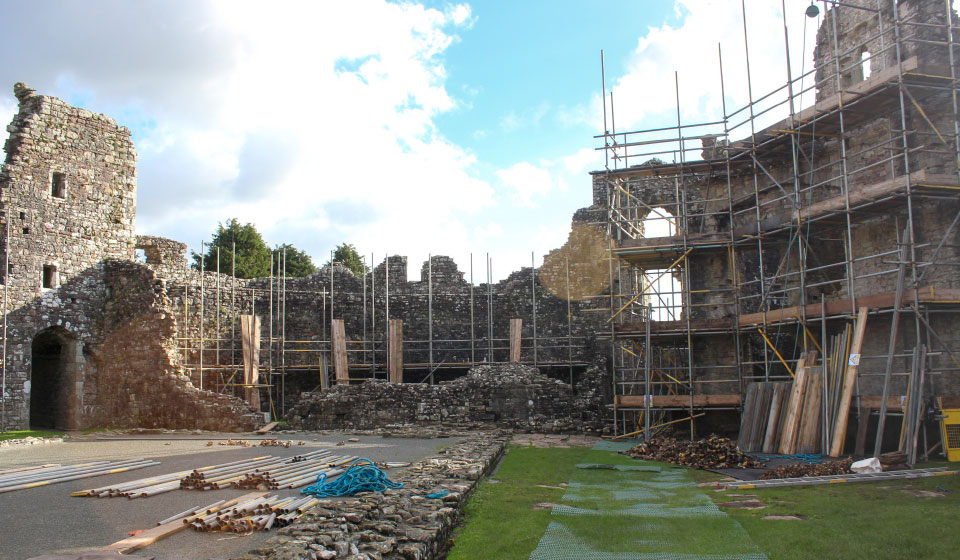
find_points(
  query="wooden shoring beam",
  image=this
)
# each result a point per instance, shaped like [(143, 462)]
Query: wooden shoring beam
[(396, 350), (516, 330), (339, 338)]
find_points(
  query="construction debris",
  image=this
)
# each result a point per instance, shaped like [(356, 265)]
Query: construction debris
[(268, 427), (260, 443), (895, 460), (711, 453), (29, 440), (825, 468)]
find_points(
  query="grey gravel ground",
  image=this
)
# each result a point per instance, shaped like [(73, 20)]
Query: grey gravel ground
[(48, 520)]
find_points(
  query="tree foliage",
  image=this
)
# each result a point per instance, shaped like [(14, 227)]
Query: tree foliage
[(297, 263), (253, 256), (347, 255)]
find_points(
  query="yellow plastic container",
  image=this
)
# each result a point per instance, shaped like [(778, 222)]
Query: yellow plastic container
[(951, 432)]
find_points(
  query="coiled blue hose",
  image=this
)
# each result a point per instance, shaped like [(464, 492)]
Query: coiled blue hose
[(357, 478)]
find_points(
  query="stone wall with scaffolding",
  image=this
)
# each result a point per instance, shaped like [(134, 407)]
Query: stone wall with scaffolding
[(105, 339), (783, 233), (450, 323)]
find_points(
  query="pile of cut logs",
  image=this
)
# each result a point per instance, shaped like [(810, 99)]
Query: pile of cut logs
[(713, 452)]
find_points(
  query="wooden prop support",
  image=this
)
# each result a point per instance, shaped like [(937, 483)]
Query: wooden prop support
[(339, 352), (516, 328), (250, 347), (396, 350)]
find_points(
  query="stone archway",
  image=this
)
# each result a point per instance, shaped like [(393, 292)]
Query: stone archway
[(55, 360)]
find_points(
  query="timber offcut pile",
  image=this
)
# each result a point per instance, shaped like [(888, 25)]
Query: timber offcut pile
[(713, 452), (826, 468)]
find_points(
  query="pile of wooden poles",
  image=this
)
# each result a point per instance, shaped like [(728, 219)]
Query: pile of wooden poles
[(32, 477), (146, 487), (292, 476), (259, 514), (266, 472), (285, 472)]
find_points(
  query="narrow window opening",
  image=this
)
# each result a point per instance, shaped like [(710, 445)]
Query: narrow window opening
[(58, 185), (26, 231), (23, 215), (50, 277), (664, 290), (865, 64)]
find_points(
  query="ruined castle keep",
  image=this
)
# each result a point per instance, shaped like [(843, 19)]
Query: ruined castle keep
[(89, 334)]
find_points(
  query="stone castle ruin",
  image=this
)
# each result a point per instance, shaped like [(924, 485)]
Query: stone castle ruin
[(782, 238), (97, 338)]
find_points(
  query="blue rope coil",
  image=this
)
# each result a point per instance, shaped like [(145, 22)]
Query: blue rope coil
[(357, 478)]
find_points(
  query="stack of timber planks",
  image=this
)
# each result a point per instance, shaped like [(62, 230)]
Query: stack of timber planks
[(810, 414), (784, 417)]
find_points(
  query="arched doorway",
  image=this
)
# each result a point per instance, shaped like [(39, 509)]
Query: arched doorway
[(55, 358)]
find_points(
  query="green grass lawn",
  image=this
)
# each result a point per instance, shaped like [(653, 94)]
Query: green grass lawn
[(871, 520), (500, 519), (20, 434), (860, 520)]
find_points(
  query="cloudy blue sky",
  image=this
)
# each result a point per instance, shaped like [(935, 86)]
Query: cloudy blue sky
[(408, 128)]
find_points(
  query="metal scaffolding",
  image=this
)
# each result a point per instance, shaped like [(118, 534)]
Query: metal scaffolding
[(784, 211), (210, 348)]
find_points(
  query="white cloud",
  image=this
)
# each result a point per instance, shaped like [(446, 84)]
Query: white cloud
[(317, 120), (490, 230), (582, 161), (527, 182), (685, 58), (313, 120)]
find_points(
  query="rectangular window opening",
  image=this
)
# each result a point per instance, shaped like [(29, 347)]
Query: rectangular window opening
[(58, 185), (50, 277), (865, 64)]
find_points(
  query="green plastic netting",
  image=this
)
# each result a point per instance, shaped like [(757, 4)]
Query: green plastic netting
[(628, 514)]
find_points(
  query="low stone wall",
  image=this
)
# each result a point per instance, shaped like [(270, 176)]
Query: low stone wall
[(397, 524), (510, 396)]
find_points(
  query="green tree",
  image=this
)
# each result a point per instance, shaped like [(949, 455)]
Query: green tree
[(253, 255), (347, 255), (298, 263)]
